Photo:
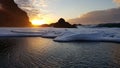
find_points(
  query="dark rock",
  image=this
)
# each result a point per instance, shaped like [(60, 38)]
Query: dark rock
[(60, 24), (45, 25), (63, 24), (11, 15)]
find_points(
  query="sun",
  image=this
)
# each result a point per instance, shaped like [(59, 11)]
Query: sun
[(37, 22)]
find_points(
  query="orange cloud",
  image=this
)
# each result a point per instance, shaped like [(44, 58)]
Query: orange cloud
[(117, 1)]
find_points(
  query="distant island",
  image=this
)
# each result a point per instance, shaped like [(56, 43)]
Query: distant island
[(60, 24), (109, 25)]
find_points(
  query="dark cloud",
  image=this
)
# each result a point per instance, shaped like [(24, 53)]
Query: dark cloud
[(96, 17)]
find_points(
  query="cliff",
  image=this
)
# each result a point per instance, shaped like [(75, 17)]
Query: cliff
[(12, 16)]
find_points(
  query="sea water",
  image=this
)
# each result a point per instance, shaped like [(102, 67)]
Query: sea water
[(37, 52)]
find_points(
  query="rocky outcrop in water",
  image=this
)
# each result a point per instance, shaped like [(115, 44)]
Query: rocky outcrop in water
[(63, 24), (11, 15), (60, 24)]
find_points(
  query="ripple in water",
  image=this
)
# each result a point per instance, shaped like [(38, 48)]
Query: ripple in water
[(36, 52)]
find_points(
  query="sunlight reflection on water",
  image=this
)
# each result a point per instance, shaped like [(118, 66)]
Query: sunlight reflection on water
[(36, 52)]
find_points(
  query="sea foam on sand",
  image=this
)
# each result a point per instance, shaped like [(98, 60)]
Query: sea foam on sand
[(66, 34)]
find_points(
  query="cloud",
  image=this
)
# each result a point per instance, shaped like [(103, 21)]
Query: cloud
[(117, 1), (34, 8), (100, 16)]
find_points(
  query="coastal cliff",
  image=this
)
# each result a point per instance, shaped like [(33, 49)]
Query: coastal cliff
[(12, 16)]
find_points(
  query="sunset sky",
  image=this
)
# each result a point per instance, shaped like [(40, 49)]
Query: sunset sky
[(75, 11)]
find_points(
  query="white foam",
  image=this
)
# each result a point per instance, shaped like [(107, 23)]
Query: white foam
[(69, 34)]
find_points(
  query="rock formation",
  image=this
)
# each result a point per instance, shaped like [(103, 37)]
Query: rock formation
[(63, 24), (11, 15)]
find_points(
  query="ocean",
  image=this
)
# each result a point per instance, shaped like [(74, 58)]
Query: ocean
[(37, 52)]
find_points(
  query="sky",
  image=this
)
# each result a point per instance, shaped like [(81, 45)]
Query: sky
[(75, 11)]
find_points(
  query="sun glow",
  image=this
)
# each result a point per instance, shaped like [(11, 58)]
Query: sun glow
[(38, 22), (42, 19)]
